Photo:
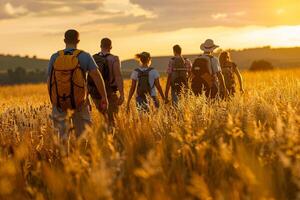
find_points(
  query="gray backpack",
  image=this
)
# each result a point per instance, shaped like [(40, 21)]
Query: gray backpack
[(179, 77), (144, 88)]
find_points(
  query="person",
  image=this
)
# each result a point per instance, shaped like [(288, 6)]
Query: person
[(229, 68), (145, 80), (206, 73), (67, 86), (110, 68), (178, 73)]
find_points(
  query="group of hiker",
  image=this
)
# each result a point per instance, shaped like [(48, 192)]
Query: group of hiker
[(74, 76)]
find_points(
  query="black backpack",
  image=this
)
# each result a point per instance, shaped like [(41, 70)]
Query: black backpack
[(103, 67), (179, 77), (202, 78), (144, 88)]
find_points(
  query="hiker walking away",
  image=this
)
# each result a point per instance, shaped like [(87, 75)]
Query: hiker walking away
[(178, 73), (110, 67), (67, 85), (145, 80), (229, 69), (206, 73)]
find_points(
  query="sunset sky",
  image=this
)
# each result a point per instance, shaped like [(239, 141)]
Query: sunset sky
[(36, 27)]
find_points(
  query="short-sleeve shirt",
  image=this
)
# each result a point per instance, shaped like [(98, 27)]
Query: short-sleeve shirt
[(86, 61), (188, 65), (214, 63), (153, 75)]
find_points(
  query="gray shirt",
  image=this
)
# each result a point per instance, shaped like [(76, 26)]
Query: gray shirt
[(214, 64)]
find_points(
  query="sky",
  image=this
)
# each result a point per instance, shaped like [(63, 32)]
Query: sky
[(36, 27)]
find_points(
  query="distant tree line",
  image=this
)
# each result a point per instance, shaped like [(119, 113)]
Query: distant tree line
[(20, 76), (19, 56), (261, 65)]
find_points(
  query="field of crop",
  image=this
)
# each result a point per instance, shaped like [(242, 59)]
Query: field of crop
[(246, 148)]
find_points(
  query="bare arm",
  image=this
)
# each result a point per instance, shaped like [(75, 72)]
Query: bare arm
[(168, 86), (48, 84), (98, 80), (131, 92), (118, 76), (239, 75), (222, 82), (158, 86)]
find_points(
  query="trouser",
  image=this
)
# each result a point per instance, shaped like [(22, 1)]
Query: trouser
[(231, 91), (210, 92), (143, 104), (175, 97), (79, 120), (113, 107), (177, 90)]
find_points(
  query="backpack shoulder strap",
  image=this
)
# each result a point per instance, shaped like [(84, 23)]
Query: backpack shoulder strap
[(211, 64), (76, 52), (149, 69), (106, 55), (138, 70), (61, 53)]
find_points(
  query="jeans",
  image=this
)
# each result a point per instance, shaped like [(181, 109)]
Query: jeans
[(143, 104), (175, 98), (79, 120)]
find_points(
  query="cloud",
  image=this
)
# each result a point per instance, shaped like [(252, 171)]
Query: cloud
[(14, 11), (219, 16), (179, 14), (18, 8), (121, 19)]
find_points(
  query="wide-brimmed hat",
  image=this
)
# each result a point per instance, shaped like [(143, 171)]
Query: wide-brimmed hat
[(208, 46)]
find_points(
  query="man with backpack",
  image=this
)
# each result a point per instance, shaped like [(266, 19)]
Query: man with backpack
[(67, 86), (207, 74), (110, 67), (178, 73)]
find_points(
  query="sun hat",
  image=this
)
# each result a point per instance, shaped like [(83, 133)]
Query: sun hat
[(208, 46)]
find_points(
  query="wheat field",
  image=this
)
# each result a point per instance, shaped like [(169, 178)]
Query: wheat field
[(246, 148)]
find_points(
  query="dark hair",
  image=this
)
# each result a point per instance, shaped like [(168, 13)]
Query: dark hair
[(72, 36), (106, 43), (144, 57), (177, 49)]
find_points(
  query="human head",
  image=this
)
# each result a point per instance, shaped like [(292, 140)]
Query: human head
[(208, 46), (106, 44), (224, 57), (177, 50), (71, 37), (144, 58)]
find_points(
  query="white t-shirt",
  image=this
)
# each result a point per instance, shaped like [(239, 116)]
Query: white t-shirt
[(153, 75)]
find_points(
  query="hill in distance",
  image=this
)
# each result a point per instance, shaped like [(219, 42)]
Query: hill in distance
[(280, 57)]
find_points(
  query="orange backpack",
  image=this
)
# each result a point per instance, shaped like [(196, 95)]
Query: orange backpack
[(67, 85)]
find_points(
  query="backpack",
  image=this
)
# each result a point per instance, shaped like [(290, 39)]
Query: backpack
[(202, 78), (228, 73), (67, 85), (103, 67), (179, 75), (144, 88)]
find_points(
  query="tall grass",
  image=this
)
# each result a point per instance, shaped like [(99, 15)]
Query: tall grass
[(246, 148)]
